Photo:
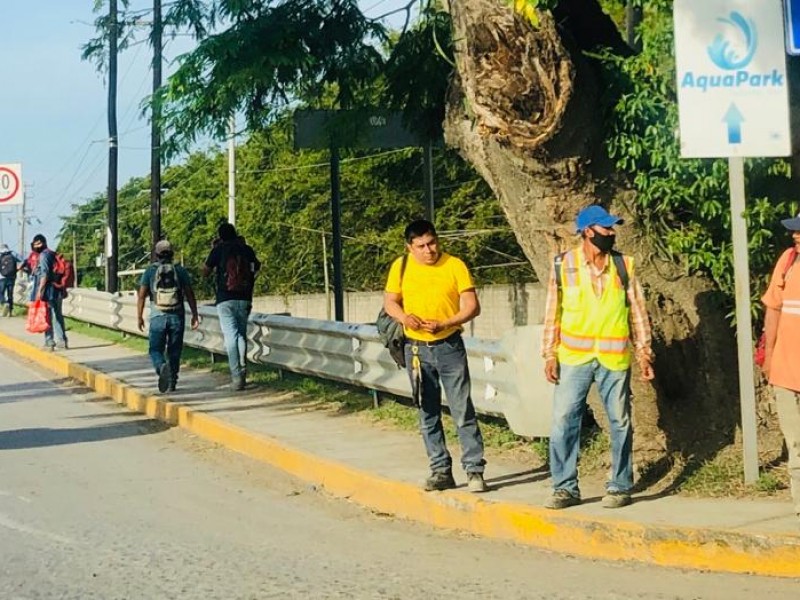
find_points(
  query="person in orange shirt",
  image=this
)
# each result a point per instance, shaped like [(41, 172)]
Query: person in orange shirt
[(782, 349)]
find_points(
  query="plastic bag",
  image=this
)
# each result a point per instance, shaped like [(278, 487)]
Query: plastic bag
[(38, 317)]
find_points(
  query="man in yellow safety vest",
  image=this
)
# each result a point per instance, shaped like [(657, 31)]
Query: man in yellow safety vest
[(595, 312)]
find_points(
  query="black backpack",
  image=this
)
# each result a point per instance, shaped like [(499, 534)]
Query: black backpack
[(391, 332), (8, 265)]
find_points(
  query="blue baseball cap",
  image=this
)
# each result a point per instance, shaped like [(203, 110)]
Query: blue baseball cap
[(792, 224), (595, 215)]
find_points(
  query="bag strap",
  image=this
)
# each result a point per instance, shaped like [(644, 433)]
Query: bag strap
[(403, 268), (619, 263), (789, 262)]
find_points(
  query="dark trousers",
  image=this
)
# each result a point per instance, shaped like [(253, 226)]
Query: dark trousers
[(166, 333), (7, 292)]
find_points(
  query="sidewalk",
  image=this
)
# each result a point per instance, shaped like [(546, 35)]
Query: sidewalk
[(382, 469)]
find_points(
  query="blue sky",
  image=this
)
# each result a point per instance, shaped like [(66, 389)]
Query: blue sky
[(53, 108)]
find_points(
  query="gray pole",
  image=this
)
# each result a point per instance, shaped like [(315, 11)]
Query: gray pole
[(336, 214), (744, 333), (325, 276), (427, 162), (155, 129), (113, 149), (232, 170)]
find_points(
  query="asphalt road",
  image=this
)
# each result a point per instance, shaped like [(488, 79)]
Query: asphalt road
[(98, 503)]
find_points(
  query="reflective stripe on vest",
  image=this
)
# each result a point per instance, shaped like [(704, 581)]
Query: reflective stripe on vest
[(790, 307), (593, 327)]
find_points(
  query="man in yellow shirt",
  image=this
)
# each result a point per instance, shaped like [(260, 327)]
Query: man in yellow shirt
[(432, 294)]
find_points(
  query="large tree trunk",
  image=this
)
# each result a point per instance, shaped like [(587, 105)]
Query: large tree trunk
[(524, 109)]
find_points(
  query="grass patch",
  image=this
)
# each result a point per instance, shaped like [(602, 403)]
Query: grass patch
[(723, 476)]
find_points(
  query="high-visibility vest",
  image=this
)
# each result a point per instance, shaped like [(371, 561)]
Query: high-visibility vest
[(593, 327)]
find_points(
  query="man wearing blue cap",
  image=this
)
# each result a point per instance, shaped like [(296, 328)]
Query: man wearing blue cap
[(595, 313)]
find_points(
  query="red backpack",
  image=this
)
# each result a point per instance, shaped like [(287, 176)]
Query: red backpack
[(63, 273)]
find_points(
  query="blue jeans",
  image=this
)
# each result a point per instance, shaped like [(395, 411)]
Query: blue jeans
[(569, 404), (166, 332), (56, 323), (7, 292), (233, 322), (447, 361)]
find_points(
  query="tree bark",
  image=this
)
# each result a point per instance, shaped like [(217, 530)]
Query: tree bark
[(524, 109)]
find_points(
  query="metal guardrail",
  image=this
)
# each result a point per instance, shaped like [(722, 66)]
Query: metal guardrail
[(507, 374)]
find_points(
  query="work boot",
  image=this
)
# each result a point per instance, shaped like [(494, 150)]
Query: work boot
[(164, 377), (476, 484), (440, 480), (615, 499), (561, 499)]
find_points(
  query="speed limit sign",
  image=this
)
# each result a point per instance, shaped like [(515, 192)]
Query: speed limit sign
[(10, 184)]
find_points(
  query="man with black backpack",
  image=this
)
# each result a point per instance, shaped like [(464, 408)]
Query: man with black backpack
[(236, 265), (167, 285), (46, 287), (595, 312), (8, 277)]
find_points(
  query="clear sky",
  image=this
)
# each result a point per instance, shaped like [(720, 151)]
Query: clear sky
[(53, 107)]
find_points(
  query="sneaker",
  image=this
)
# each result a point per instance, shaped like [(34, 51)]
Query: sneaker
[(561, 499), (238, 383), (164, 377), (440, 480), (62, 345), (172, 386), (615, 499), (49, 347), (476, 484)]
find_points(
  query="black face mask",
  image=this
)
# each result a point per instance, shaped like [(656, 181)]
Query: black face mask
[(602, 242)]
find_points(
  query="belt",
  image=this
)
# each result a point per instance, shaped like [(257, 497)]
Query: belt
[(450, 338)]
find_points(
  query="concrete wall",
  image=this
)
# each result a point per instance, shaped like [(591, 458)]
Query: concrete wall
[(502, 307)]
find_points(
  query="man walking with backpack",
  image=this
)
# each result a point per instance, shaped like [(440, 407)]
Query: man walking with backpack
[(595, 310), (236, 266), (8, 277), (47, 287), (167, 285)]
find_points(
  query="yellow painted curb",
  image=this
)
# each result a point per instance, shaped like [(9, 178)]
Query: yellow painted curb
[(704, 549)]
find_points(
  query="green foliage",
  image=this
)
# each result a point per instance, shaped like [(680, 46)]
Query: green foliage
[(684, 204), (283, 210)]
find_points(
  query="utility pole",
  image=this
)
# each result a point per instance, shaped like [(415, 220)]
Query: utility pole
[(155, 131), (232, 170), (113, 149)]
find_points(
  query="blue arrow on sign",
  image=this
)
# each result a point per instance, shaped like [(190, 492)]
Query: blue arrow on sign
[(734, 119)]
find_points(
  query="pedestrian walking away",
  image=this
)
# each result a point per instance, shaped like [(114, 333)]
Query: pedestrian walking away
[(432, 294), (46, 287), (9, 265), (595, 313), (782, 349), (167, 286), (236, 266)]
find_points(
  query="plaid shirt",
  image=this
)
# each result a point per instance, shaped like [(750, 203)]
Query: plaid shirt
[(639, 321)]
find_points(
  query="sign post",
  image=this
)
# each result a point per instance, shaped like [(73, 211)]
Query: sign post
[(733, 102)]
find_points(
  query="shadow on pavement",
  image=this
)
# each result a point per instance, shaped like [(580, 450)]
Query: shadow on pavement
[(41, 437)]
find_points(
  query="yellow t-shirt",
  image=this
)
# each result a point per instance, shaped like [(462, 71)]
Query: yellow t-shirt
[(431, 292), (785, 296)]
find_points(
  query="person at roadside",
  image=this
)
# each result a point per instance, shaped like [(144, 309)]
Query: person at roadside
[(782, 349), (593, 317), (167, 286), (43, 289), (9, 265), (236, 266), (432, 294)]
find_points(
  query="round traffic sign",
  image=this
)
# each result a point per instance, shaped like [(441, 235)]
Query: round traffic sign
[(9, 184)]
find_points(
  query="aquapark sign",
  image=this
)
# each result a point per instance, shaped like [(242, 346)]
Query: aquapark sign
[(731, 78)]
